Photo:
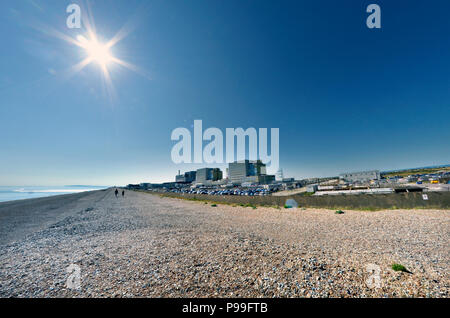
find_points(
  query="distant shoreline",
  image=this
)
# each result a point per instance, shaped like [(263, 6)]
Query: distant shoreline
[(16, 193), (22, 217)]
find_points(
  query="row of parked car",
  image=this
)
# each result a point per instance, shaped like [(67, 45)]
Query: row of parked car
[(238, 191)]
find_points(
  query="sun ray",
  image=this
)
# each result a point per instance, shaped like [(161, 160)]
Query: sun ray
[(110, 90), (130, 25), (123, 33), (131, 67), (78, 67), (48, 30), (89, 21)]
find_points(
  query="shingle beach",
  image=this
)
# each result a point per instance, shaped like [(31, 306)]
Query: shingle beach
[(145, 245)]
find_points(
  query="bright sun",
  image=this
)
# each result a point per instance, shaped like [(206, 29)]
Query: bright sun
[(96, 51)]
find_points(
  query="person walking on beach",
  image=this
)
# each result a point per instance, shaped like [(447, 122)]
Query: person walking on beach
[(116, 192), (123, 193)]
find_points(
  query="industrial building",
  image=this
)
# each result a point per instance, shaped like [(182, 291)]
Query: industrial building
[(187, 177), (248, 171), (363, 176), (206, 175)]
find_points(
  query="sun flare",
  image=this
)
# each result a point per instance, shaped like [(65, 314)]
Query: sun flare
[(96, 51)]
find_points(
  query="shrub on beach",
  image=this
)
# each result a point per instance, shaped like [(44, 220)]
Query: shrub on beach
[(399, 268)]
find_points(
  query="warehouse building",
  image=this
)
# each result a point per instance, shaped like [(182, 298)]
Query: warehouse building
[(363, 176)]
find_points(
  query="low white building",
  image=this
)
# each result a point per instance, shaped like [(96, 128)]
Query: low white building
[(360, 191)]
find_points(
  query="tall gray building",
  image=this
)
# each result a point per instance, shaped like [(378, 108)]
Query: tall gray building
[(248, 171), (208, 174)]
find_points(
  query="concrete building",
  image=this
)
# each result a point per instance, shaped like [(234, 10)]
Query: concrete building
[(187, 177), (363, 176), (190, 176), (206, 175), (180, 178), (133, 186), (312, 188), (279, 176), (266, 178), (248, 171)]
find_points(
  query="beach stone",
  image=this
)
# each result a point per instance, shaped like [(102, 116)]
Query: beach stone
[(150, 246)]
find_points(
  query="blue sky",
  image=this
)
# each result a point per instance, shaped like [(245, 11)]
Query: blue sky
[(345, 97)]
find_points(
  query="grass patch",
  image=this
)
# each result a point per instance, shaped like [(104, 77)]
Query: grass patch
[(307, 193), (370, 209), (399, 268), (287, 206), (334, 207)]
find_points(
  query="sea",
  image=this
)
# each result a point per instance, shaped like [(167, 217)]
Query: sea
[(8, 193)]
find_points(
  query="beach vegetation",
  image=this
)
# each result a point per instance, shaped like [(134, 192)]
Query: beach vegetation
[(399, 268)]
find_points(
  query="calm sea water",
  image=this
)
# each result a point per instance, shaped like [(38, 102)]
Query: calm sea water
[(20, 193)]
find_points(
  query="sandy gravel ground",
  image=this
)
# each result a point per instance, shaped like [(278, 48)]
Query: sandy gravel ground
[(146, 246)]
